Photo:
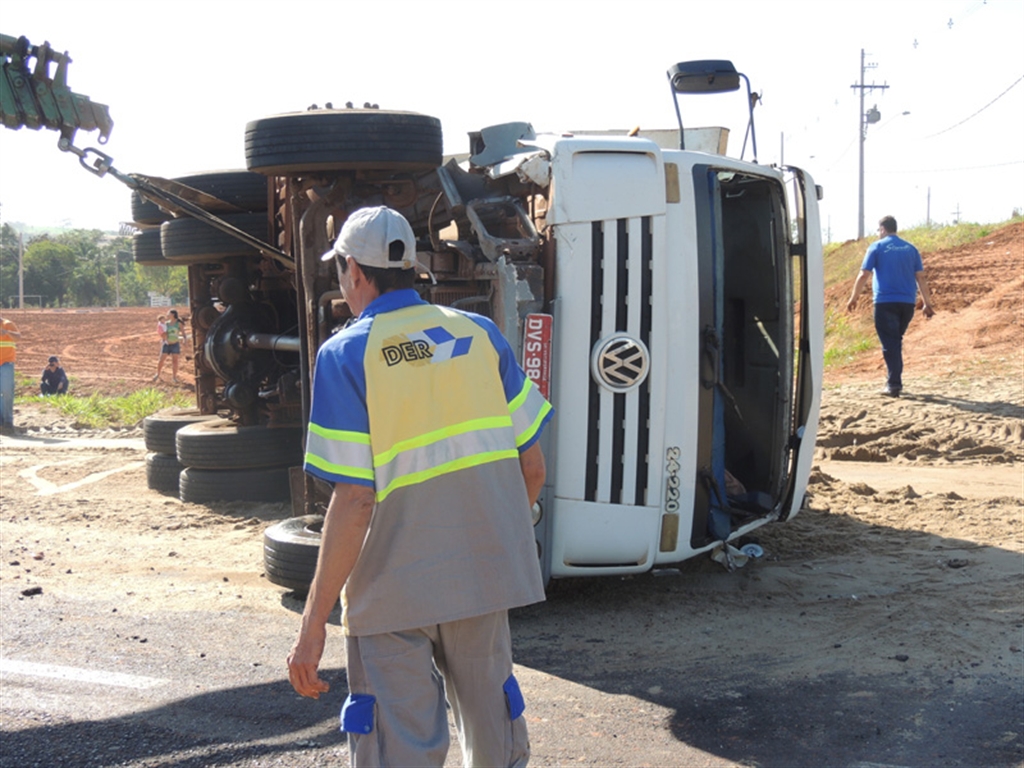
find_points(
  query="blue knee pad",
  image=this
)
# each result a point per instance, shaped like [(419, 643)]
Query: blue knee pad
[(513, 697), (357, 713)]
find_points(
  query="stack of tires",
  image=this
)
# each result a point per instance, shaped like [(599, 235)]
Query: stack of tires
[(159, 432), (290, 551), (202, 458), (166, 241), (223, 461)]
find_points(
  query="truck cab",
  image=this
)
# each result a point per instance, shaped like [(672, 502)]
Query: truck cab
[(685, 375)]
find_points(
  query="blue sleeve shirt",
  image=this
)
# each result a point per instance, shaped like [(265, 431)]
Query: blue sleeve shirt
[(895, 264)]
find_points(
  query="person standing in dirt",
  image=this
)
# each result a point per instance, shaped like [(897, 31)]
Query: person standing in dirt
[(9, 335), (172, 334), (54, 380), (428, 429), (898, 275)]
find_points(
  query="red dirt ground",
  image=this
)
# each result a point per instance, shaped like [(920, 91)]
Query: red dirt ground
[(103, 350), (978, 328)]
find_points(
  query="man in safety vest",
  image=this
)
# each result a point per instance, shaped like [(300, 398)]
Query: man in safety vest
[(9, 336), (428, 429)]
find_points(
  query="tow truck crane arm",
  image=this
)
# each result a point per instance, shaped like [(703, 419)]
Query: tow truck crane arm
[(34, 99), (31, 98)]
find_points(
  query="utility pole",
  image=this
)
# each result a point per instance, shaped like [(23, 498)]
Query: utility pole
[(865, 119), (21, 271), (117, 275)]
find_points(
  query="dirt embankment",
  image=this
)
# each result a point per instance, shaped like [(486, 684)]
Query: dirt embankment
[(978, 328)]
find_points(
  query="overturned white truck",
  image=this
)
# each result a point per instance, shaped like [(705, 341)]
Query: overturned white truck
[(668, 301)]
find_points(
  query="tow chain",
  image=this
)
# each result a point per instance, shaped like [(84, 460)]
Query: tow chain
[(100, 164)]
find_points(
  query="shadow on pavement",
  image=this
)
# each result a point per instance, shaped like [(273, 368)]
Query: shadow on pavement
[(691, 641), (222, 727)]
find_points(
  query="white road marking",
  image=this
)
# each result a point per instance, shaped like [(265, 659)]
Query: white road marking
[(76, 674), (46, 488)]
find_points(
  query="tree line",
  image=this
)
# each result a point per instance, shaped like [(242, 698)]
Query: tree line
[(82, 268)]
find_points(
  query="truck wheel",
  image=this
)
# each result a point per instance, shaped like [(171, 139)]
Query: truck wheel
[(334, 140), (222, 444), (162, 470), (191, 241), (198, 486), (242, 189), (159, 429), (146, 249), (290, 551)]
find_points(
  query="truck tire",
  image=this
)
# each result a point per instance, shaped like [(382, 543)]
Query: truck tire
[(146, 212), (290, 551), (242, 189), (160, 428), (162, 471), (146, 249), (333, 140), (191, 241), (198, 486), (222, 444)]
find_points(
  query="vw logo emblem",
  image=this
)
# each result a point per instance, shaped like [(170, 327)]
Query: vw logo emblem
[(620, 362)]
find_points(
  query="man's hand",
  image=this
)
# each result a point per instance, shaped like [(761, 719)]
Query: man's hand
[(345, 525), (304, 660), (928, 311), (863, 278)]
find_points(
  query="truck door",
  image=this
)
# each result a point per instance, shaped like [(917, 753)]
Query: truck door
[(746, 360), (806, 257)]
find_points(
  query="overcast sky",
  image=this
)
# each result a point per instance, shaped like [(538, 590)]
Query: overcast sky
[(182, 79)]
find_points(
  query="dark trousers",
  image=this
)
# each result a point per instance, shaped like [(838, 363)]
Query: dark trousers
[(891, 321)]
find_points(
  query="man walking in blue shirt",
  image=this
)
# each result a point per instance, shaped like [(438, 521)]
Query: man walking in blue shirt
[(898, 275)]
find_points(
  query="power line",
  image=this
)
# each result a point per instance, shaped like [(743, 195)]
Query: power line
[(997, 98), (951, 170)]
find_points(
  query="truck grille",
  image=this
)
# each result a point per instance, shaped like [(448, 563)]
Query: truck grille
[(622, 441)]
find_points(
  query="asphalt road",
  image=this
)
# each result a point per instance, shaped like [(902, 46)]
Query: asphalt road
[(115, 688)]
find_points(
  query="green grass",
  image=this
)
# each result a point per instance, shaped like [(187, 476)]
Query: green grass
[(98, 411), (844, 339)]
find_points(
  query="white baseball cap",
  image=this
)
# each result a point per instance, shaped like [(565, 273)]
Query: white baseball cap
[(376, 237)]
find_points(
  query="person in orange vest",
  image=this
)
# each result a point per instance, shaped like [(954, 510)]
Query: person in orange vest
[(9, 335)]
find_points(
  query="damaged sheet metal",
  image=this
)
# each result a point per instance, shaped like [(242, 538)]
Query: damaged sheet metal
[(532, 167), (518, 291), (495, 143), (503, 228)]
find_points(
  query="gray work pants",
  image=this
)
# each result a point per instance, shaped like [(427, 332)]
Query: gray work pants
[(395, 714)]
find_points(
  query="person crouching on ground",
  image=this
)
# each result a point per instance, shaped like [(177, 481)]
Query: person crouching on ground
[(899, 274), (54, 380)]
